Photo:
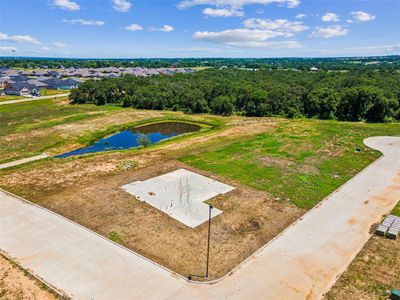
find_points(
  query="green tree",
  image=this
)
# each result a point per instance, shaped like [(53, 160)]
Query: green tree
[(223, 105), (363, 103), (322, 102)]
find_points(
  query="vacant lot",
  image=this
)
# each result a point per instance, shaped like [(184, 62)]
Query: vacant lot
[(373, 272), (280, 168), (301, 161), (15, 284)]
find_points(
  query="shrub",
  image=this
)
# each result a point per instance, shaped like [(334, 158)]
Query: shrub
[(143, 140)]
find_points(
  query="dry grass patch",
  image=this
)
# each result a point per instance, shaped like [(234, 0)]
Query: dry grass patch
[(15, 284)]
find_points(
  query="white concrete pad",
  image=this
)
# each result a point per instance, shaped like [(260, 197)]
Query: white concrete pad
[(180, 194)]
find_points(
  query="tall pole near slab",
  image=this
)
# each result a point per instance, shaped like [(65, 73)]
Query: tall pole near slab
[(208, 239), (190, 276)]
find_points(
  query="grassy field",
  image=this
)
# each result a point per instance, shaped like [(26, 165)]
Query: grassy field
[(9, 97), (52, 92), (53, 125), (281, 168), (300, 161), (25, 128)]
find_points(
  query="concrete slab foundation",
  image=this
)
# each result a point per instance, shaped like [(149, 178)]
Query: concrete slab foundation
[(180, 194)]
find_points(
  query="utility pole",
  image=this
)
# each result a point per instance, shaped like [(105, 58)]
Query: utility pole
[(210, 207), (208, 239)]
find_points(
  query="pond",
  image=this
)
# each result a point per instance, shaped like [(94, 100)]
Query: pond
[(129, 138)]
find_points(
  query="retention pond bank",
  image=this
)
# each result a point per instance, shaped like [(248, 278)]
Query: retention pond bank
[(131, 138)]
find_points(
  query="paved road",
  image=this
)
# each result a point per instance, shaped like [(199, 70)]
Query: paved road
[(33, 99), (22, 161), (302, 263)]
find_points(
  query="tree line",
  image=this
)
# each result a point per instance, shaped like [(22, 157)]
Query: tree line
[(351, 96), (326, 63)]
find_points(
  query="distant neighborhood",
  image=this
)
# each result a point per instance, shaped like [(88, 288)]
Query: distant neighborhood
[(30, 83)]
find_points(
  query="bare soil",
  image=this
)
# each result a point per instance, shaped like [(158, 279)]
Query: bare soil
[(250, 218), (372, 273), (15, 284), (87, 191)]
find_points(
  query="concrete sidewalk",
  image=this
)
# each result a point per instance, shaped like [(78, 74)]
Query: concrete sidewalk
[(301, 263), (33, 99), (23, 161)]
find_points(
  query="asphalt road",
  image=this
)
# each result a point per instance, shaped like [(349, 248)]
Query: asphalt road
[(301, 263)]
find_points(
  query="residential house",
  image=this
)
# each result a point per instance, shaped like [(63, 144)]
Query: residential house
[(4, 80), (38, 84), (21, 89), (54, 74), (59, 84), (19, 78)]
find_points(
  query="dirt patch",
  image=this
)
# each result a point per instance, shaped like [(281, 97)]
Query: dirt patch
[(287, 166), (270, 161), (374, 271), (308, 169), (250, 218), (16, 284)]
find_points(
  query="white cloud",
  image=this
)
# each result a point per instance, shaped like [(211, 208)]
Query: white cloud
[(300, 16), (260, 11), (281, 25), (7, 48), (59, 45), (330, 17), (245, 38), (134, 27), (329, 32), (222, 12), (235, 3), (18, 38), (67, 5), (166, 28), (83, 22), (122, 5), (361, 16), (256, 33)]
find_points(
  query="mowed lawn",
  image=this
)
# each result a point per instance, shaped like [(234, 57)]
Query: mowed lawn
[(53, 92), (300, 161)]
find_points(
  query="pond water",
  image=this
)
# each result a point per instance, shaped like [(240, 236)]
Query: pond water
[(129, 138)]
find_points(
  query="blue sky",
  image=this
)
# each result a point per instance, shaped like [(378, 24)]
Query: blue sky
[(199, 28)]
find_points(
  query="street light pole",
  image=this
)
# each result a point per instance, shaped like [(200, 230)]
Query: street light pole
[(208, 240), (190, 277)]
